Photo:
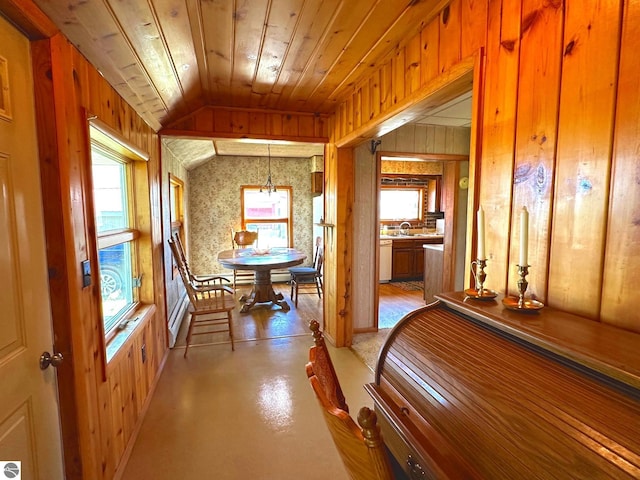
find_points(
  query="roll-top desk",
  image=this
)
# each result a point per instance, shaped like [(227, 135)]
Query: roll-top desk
[(467, 389)]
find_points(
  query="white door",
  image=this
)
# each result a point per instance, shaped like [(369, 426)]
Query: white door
[(29, 419)]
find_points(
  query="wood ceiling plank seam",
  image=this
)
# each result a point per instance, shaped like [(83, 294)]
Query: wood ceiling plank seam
[(335, 45), (194, 12), (263, 34), (276, 49), (84, 26), (312, 19), (273, 91), (250, 29), (156, 62), (183, 52), (281, 81), (218, 20), (137, 61), (309, 64), (347, 49), (380, 51)]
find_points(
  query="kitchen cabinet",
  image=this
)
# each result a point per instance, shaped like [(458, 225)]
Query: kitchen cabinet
[(408, 257), (434, 192), (317, 183)]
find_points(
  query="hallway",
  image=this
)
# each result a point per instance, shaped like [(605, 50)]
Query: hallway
[(249, 413)]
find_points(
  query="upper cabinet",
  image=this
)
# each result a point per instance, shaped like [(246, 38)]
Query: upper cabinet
[(317, 183), (433, 194)]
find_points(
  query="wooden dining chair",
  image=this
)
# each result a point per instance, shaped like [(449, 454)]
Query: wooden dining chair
[(308, 276), (210, 302), (198, 280), (243, 239), (361, 448)]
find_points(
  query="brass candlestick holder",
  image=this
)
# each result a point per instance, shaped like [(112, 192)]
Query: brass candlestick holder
[(520, 303), (523, 271), (479, 275)]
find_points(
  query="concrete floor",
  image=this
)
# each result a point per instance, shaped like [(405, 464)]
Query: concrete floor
[(251, 413)]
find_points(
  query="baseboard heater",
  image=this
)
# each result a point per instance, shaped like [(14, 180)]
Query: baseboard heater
[(175, 319)]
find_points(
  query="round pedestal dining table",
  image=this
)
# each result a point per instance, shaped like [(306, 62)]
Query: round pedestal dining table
[(261, 262)]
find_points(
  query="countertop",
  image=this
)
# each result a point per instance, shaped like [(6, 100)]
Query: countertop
[(416, 236)]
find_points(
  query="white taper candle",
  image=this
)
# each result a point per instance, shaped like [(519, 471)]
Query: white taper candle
[(481, 253), (524, 237)]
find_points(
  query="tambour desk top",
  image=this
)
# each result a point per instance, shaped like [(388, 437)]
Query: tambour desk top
[(473, 390)]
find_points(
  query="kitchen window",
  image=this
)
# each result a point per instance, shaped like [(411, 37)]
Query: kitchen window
[(401, 204), (269, 214)]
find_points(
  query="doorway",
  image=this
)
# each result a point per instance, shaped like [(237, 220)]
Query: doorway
[(440, 215), (406, 138)]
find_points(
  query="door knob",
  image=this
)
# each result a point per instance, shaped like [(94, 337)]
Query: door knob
[(47, 359)]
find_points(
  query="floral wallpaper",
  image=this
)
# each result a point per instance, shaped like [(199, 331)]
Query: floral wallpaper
[(214, 203)]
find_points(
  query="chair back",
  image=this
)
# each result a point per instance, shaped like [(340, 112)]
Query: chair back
[(210, 307), (197, 290), (321, 366), (319, 259), (175, 238), (361, 449), (244, 238)]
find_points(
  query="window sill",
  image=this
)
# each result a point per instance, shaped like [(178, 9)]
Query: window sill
[(139, 316)]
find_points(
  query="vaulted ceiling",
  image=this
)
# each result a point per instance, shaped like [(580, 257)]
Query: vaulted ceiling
[(168, 58)]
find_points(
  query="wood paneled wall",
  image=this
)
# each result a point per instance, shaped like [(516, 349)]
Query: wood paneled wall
[(556, 130), (100, 406), (338, 240)]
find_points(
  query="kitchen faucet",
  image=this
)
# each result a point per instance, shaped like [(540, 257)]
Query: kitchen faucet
[(405, 231)]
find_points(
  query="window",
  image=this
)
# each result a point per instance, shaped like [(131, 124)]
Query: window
[(176, 188), (401, 204), (114, 174), (268, 214), (176, 206)]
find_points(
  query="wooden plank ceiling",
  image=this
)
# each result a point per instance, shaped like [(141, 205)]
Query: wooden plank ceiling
[(168, 58)]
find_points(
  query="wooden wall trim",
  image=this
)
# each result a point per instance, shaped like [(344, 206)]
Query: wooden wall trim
[(28, 17), (56, 224), (444, 87), (223, 122)]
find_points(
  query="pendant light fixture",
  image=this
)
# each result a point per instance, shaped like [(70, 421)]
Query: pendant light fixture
[(269, 186)]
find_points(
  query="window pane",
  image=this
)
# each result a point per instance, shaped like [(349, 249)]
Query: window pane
[(270, 234), (268, 214), (402, 204), (116, 282), (260, 205), (109, 193)]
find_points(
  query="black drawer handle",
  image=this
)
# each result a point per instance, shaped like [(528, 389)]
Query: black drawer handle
[(415, 469)]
